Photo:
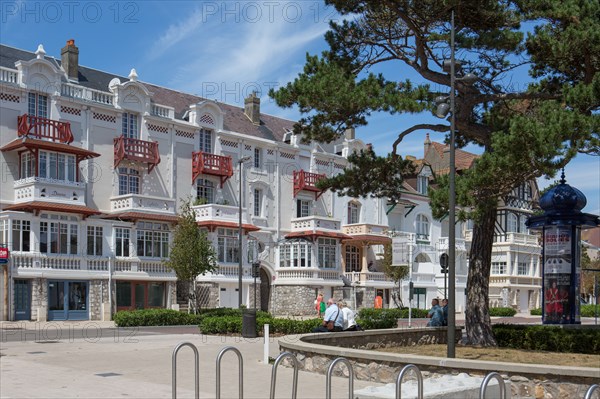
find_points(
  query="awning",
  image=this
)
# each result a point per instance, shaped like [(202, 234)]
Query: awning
[(135, 216), (312, 234), (213, 224), (34, 144), (36, 206)]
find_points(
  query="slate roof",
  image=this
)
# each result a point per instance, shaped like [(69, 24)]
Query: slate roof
[(270, 128)]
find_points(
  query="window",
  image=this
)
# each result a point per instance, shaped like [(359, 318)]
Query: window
[(129, 181), (57, 166), (21, 235), (422, 227), (512, 223), (4, 223), (58, 237), (522, 269), (38, 105), (257, 202), (352, 259), (227, 240), (122, 241), (153, 239), (303, 208), (524, 191), (123, 293), (94, 240), (498, 267), (295, 254), (422, 184), (206, 141), (205, 189), (257, 158), (27, 165), (353, 212), (156, 294), (326, 253), (130, 125)]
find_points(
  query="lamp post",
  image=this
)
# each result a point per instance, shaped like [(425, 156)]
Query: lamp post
[(441, 112), (240, 230)]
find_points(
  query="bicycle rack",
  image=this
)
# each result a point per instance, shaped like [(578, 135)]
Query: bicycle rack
[(174, 369), (350, 377), (274, 374), (240, 367), (590, 391), (486, 381), (401, 375)]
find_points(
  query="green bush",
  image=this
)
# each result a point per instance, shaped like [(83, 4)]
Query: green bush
[(154, 317), (548, 338), (589, 310), (502, 312), (221, 324), (536, 312)]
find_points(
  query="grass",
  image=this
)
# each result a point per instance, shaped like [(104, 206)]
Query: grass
[(502, 355)]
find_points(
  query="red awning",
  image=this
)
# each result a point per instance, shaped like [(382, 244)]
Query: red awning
[(34, 144), (212, 224), (52, 206), (135, 216), (318, 233)]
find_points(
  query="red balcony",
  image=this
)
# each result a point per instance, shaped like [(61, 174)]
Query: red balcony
[(137, 151), (36, 127), (307, 181), (204, 163)]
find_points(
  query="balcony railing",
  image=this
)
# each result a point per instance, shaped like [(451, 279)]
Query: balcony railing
[(49, 190), (86, 94), (307, 181), (162, 111), (136, 150), (211, 164), (357, 277), (459, 244), (364, 228), (8, 75), (313, 223), (134, 202), (44, 129), (219, 213)]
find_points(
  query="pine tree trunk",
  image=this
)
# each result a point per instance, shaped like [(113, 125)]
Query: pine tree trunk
[(477, 318)]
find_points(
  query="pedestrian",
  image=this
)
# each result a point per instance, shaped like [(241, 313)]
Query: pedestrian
[(445, 311), (348, 314), (333, 321), (320, 305), (436, 314)]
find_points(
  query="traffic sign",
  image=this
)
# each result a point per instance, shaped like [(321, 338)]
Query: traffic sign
[(4, 254)]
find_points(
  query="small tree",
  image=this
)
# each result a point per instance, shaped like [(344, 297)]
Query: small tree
[(192, 254), (394, 273)]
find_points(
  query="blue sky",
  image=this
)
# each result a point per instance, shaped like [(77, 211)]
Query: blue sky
[(221, 50)]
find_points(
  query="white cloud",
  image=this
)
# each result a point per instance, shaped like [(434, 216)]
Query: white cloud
[(176, 33)]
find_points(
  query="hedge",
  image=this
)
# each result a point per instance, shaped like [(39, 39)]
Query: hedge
[(154, 317), (536, 312), (502, 312), (548, 338), (369, 318), (585, 311), (233, 325)]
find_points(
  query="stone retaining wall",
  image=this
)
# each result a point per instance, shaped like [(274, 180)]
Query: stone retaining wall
[(316, 351)]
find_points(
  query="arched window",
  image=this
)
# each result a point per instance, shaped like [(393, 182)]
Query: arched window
[(353, 212), (512, 223), (422, 227)]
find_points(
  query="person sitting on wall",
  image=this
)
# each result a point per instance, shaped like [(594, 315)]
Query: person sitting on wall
[(436, 314), (333, 321), (445, 311), (348, 315)]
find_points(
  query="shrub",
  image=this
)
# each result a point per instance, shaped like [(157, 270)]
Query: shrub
[(154, 317), (536, 312), (502, 312), (589, 310), (548, 338)]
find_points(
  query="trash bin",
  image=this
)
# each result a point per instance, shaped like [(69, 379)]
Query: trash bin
[(249, 323)]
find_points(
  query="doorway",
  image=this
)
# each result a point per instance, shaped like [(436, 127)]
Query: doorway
[(22, 300), (68, 300)]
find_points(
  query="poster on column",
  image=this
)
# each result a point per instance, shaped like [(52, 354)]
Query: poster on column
[(557, 274)]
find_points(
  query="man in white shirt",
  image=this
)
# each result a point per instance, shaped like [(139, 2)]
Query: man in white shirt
[(348, 315)]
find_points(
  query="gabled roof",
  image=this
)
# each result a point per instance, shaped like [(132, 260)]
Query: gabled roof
[(270, 128), (463, 159)]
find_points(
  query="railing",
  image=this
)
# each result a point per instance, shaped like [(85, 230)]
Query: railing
[(211, 164), (296, 273), (35, 179), (365, 228), (215, 212), (146, 202), (162, 111), (43, 261), (307, 181), (8, 75), (514, 280), (368, 276), (84, 93), (44, 128), (329, 274), (136, 150), (154, 268), (97, 264), (459, 244), (227, 270), (315, 223)]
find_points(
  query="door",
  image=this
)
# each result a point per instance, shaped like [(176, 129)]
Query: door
[(22, 300), (140, 295), (67, 300), (228, 296)]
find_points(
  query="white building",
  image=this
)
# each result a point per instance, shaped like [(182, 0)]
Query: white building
[(95, 167)]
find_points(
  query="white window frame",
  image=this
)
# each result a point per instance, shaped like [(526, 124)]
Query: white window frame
[(152, 239), (499, 268), (353, 259), (327, 253), (27, 161), (129, 180), (130, 126), (422, 227), (59, 235), (95, 237), (422, 184), (303, 207), (353, 212), (522, 268), (228, 247), (258, 200), (296, 253), (205, 140), (122, 241), (257, 158), (37, 105), (57, 166), (21, 233), (205, 188)]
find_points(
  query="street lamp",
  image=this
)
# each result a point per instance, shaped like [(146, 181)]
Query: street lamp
[(442, 110), (240, 230)]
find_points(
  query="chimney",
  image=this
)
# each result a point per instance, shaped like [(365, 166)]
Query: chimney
[(252, 108), (427, 144), (70, 60), (350, 134)]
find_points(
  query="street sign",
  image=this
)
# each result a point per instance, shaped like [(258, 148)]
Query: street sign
[(4, 255)]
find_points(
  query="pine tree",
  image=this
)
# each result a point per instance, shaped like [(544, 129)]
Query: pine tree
[(192, 254), (523, 133)]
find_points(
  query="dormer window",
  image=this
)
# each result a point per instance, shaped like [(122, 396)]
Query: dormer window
[(38, 105), (422, 184), (130, 125)]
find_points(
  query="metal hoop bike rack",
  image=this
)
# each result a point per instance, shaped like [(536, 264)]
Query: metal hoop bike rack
[(590, 391), (196, 369), (350, 377), (405, 370), (486, 381), (240, 368), (274, 374)]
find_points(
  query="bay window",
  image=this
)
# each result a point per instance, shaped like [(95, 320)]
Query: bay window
[(326, 252), (227, 242), (21, 235), (153, 239), (122, 241), (58, 236), (295, 254), (94, 240)]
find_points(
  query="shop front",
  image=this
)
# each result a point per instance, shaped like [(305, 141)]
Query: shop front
[(68, 300)]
